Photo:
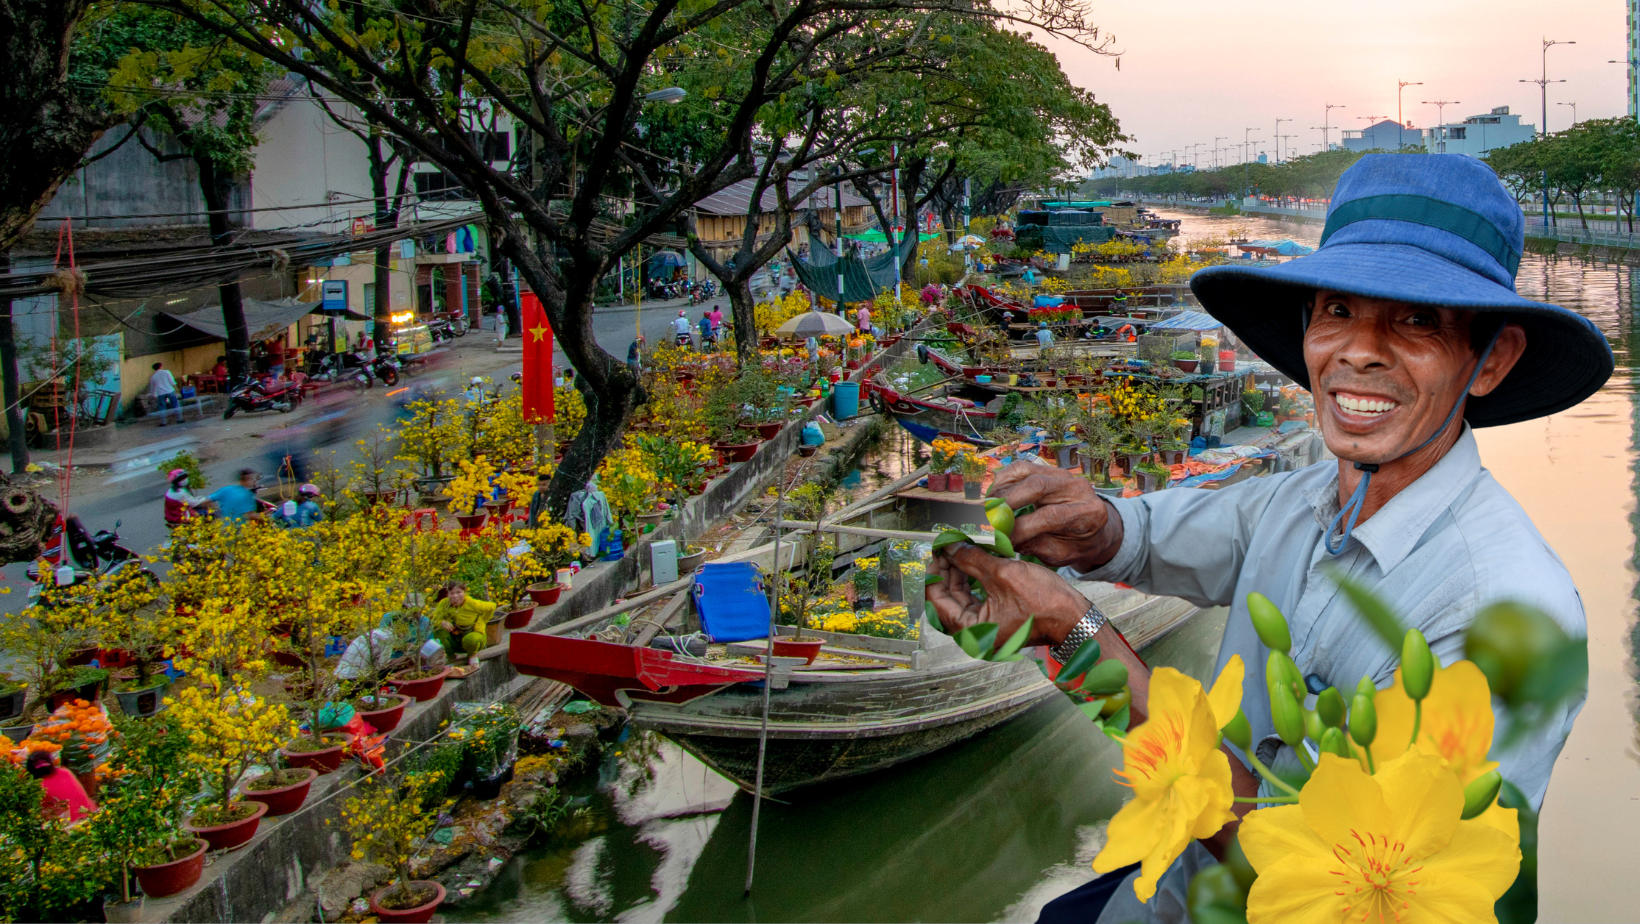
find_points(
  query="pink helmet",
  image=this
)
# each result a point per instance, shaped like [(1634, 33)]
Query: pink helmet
[(175, 474), (309, 489)]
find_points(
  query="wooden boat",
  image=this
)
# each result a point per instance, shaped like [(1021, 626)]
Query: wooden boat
[(955, 411)]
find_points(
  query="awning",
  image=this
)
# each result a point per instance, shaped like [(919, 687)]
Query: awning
[(1189, 320), (264, 320)]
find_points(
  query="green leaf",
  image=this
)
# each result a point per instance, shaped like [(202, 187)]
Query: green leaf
[(948, 537), (978, 639), (1111, 733), (1086, 654), (1015, 641), (1108, 676), (1377, 614), (1091, 708), (932, 579), (1120, 719)]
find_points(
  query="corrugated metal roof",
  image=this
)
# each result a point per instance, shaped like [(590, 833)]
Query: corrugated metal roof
[(1188, 320), (734, 199)]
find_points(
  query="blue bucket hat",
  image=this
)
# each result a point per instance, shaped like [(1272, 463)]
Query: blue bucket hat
[(1432, 229)]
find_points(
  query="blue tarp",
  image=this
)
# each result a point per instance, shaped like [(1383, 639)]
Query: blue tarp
[(1188, 320), (732, 604), (1287, 248)]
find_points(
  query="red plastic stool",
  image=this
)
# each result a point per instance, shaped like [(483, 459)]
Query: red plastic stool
[(416, 519)]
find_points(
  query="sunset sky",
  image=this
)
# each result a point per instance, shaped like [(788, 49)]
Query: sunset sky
[(1193, 69)]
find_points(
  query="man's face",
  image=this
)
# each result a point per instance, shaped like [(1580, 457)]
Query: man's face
[(1386, 373), (458, 596)]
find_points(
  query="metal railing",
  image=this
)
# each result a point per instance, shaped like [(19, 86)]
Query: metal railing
[(1567, 233)]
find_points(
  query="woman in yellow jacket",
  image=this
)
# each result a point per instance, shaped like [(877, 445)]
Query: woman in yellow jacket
[(459, 616)]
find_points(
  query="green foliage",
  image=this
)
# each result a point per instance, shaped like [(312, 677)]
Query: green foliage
[(46, 868), (188, 462), (140, 804)]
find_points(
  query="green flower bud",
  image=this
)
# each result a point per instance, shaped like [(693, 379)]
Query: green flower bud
[(1001, 516), (1366, 687), (1330, 706), (1332, 742), (1417, 665), (1481, 792), (1279, 668), (1313, 726), (1268, 622), (1506, 640), (1239, 731), (1286, 714), (1363, 720)]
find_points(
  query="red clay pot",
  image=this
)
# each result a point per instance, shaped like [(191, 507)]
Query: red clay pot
[(173, 877), (519, 618), (285, 799), (420, 690), (937, 483), (737, 452), (769, 430), (954, 482), (470, 520), (421, 914), (232, 835), (325, 761), (808, 648), (385, 720), (544, 593)]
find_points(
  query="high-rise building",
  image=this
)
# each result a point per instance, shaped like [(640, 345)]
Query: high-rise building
[(1632, 55)]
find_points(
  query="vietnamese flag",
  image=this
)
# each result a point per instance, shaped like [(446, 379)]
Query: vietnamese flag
[(537, 384)]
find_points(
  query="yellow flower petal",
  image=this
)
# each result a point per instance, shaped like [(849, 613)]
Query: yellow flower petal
[(1457, 721), (1225, 697), (1293, 891), (1480, 853), (1269, 835), (1343, 802)]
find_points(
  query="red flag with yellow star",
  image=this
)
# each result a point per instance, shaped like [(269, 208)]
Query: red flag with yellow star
[(537, 384)]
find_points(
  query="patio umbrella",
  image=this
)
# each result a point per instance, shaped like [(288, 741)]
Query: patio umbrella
[(815, 324), (968, 242)]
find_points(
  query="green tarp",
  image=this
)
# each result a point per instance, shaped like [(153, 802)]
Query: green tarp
[(862, 279), (1059, 238), (876, 236)]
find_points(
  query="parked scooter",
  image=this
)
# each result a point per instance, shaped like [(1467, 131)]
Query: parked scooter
[(73, 556), (386, 368), (251, 397)]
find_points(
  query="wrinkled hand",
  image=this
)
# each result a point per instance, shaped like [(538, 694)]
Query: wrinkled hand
[(1071, 525), (447, 626), (1014, 591)]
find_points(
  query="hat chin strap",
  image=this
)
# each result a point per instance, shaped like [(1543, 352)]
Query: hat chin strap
[(1359, 498)]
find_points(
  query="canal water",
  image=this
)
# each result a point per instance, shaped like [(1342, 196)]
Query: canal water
[(991, 829)]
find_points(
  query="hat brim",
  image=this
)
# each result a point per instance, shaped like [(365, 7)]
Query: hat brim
[(1567, 359)]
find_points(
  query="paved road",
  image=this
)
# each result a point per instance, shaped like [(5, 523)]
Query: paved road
[(134, 498)]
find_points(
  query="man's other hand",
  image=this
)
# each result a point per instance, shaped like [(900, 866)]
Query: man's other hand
[(1014, 591), (1071, 525)]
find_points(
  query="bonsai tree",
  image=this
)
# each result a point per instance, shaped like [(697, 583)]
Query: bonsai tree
[(389, 823), (432, 438), (41, 638), (797, 594), (1054, 415), (128, 619), (138, 821), (1099, 433), (472, 487), (677, 464), (229, 730), (188, 462), (49, 868), (628, 483), (376, 472)]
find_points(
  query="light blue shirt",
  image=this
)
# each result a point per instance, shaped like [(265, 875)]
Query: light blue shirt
[(1044, 336), (234, 501), (1444, 547)]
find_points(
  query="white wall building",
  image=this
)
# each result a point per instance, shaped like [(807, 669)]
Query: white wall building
[(1384, 135), (1479, 134)]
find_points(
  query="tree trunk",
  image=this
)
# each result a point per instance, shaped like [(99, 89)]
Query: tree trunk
[(387, 216), (10, 388), (217, 187), (741, 306)]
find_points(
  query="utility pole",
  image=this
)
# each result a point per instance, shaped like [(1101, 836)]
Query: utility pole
[(1246, 160), (1543, 82), (1371, 121), (1572, 104), (837, 191), (1326, 121), (1278, 138), (1216, 149), (1440, 113), (1400, 124)]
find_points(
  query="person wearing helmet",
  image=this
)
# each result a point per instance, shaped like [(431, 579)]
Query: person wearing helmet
[(180, 503), (304, 511), (1043, 335), (680, 324)]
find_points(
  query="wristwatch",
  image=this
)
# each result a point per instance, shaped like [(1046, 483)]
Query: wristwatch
[(1092, 621)]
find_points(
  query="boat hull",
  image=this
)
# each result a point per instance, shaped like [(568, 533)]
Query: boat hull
[(822, 731)]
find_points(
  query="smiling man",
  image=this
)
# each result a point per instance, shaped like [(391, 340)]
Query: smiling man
[(1406, 327)]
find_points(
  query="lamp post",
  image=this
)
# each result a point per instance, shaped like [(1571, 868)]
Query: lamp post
[(1440, 109), (1326, 121), (1216, 149), (1246, 160), (1371, 120), (1279, 137), (1543, 82), (1634, 104), (1572, 104), (1401, 85)]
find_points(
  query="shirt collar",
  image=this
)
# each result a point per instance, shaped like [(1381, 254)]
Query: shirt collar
[(1396, 529)]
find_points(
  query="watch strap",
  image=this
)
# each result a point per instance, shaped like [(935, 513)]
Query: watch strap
[(1091, 622)]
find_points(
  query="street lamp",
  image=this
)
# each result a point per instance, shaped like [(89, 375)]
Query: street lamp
[(1401, 85), (1326, 121), (1371, 121), (1217, 149), (1440, 108), (1572, 104), (1634, 104), (1543, 82), (1278, 138)]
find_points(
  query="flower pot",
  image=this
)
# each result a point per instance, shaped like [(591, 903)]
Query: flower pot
[(544, 593), (807, 451), (375, 498), (285, 658), (17, 732), (1208, 366), (1172, 456), (420, 914), (1131, 460), (688, 563), (495, 630), (385, 720), (232, 835), (1065, 456), (90, 692), (486, 788), (283, 800), (497, 508), (518, 618), (1186, 365), (769, 431), (470, 520), (11, 703), (1227, 360), (118, 912), (938, 482), (652, 518), (1147, 481), (165, 879), (953, 482), (808, 648), (737, 452), (972, 490), (420, 690), (325, 761), (142, 703)]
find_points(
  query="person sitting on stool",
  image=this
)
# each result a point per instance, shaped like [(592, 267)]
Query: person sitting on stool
[(459, 616)]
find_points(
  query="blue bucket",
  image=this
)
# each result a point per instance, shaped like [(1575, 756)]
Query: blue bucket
[(845, 400)]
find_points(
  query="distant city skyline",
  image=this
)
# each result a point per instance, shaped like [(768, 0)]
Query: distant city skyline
[(1197, 69)]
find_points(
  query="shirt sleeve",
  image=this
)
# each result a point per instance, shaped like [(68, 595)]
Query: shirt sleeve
[(1187, 542)]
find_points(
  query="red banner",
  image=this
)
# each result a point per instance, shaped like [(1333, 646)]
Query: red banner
[(537, 384)]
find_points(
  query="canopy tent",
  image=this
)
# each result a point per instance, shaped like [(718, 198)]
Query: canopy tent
[(663, 262), (264, 320), (862, 279), (1189, 320), (815, 324), (876, 236), (1286, 248)]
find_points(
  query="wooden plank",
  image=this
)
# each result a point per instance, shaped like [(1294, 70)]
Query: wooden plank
[(811, 526)]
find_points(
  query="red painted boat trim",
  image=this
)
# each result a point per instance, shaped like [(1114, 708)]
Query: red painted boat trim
[(615, 674)]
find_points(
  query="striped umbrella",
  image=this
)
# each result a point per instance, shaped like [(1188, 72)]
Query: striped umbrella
[(815, 324)]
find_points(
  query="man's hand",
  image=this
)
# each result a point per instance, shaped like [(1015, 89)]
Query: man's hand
[(447, 626), (1014, 591), (1071, 525)]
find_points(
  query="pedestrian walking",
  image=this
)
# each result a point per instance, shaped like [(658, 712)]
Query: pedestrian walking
[(162, 387)]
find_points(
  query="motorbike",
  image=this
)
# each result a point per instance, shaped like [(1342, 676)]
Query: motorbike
[(386, 368), (439, 330), (455, 323), (251, 397), (83, 555)]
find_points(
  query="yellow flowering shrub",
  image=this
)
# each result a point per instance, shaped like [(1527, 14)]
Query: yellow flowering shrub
[(471, 487), (628, 482), (229, 730), (389, 822), (503, 433), (432, 438), (569, 413)]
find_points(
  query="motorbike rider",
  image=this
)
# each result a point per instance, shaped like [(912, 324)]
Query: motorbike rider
[(238, 501), (304, 511), (180, 503), (707, 332), (680, 327)]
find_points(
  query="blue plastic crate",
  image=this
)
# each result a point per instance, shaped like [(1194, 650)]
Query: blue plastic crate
[(732, 601)]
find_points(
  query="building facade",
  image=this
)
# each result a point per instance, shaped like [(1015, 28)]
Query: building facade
[(1384, 135), (1478, 134)]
